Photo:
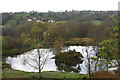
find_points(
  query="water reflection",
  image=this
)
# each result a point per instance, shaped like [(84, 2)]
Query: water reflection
[(18, 62)]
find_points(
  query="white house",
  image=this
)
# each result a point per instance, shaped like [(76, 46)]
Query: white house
[(29, 20), (51, 21)]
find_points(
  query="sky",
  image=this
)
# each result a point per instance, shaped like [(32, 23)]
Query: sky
[(57, 5)]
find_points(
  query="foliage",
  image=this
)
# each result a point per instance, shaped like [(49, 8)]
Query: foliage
[(5, 45), (25, 40), (69, 61), (21, 17), (108, 51), (59, 43)]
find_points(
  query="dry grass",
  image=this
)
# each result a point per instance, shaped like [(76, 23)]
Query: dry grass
[(104, 74)]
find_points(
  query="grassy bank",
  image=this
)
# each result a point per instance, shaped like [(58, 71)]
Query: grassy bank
[(10, 73)]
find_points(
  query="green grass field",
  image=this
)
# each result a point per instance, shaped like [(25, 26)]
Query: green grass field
[(1, 26), (10, 73), (61, 21), (95, 22)]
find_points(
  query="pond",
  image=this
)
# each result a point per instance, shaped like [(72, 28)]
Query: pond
[(18, 63)]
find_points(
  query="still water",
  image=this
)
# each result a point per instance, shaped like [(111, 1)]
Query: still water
[(18, 63)]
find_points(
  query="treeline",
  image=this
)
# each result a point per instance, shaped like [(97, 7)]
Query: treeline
[(17, 38), (80, 16)]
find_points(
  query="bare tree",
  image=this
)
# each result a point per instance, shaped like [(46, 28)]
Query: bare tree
[(59, 43), (39, 59), (89, 63)]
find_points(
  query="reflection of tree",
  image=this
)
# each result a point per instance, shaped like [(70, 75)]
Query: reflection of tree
[(69, 61)]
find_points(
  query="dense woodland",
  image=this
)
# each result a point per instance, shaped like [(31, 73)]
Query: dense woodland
[(68, 25), (20, 30)]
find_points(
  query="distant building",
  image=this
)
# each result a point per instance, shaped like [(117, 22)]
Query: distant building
[(51, 21), (29, 20), (41, 21), (34, 18), (38, 21)]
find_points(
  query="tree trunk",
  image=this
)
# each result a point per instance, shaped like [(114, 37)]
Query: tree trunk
[(97, 56), (40, 74), (89, 71), (39, 63), (96, 64), (89, 68), (119, 43), (107, 65)]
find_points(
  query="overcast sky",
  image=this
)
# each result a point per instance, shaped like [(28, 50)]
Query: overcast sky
[(57, 5)]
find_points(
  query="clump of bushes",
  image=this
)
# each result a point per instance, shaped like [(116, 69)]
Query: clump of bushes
[(5, 65), (68, 61)]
